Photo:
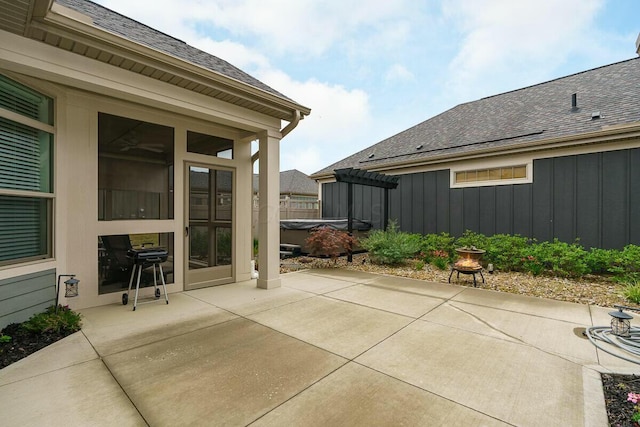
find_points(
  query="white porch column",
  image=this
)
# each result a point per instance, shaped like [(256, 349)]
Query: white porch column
[(269, 211)]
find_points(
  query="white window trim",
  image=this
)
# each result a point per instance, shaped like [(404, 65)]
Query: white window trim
[(527, 180), (27, 121), (51, 195)]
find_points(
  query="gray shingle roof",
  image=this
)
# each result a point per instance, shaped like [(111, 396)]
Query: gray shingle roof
[(533, 113), (142, 34), (293, 182)]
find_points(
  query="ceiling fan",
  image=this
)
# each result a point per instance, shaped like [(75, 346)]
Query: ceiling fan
[(130, 141)]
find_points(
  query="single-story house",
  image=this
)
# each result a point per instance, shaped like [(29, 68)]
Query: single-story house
[(114, 135), (298, 197), (559, 159), (295, 187)]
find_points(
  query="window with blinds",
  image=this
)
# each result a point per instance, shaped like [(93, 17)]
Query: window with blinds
[(26, 184)]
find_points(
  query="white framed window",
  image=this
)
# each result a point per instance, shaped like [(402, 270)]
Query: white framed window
[(26, 173), (519, 173)]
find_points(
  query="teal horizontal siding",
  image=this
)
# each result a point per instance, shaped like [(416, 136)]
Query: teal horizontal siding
[(23, 296)]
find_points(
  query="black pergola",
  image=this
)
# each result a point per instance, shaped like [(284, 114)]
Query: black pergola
[(372, 179)]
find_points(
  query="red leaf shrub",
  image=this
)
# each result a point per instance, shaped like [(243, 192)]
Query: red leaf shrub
[(327, 241)]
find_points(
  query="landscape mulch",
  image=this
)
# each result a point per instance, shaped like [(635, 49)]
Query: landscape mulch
[(23, 343), (616, 389)]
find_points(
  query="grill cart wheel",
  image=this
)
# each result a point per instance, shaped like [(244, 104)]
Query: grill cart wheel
[(157, 293), (125, 299)]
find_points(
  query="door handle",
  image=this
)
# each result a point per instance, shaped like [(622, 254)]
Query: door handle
[(186, 231)]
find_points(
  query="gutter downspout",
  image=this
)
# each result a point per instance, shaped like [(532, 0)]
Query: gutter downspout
[(284, 132), (292, 124)]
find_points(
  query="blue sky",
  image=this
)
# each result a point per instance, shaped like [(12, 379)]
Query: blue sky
[(371, 69)]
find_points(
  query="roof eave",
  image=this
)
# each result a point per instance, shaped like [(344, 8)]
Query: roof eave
[(606, 134), (63, 22)]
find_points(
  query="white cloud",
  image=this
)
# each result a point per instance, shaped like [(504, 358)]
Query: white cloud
[(334, 108), (305, 158), (398, 73), (282, 26), (506, 38), (339, 117)]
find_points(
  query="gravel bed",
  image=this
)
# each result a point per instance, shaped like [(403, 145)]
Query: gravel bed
[(592, 290)]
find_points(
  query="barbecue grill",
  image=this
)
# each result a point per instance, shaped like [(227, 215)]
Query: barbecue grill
[(144, 258)]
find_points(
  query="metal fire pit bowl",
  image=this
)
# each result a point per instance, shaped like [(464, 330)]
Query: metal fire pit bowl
[(468, 263)]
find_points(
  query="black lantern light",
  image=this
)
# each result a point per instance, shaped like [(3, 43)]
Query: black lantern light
[(620, 323), (70, 287)]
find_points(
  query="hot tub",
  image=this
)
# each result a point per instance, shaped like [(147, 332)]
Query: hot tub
[(296, 231)]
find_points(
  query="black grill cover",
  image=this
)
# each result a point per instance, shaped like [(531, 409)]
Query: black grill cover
[(148, 255)]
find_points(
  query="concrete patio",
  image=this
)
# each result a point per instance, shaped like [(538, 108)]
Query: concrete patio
[(331, 347)]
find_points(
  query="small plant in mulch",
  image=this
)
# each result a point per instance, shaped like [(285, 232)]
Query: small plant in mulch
[(391, 246), (440, 259), (532, 265), (632, 292), (19, 340), (622, 398)]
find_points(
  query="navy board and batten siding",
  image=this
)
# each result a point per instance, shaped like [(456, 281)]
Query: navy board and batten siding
[(23, 296), (594, 197)]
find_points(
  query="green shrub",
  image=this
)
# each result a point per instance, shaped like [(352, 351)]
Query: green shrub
[(600, 260), (327, 241), (472, 239), (505, 251), (51, 321), (531, 264), (434, 245), (391, 246), (419, 266), (559, 258), (626, 262)]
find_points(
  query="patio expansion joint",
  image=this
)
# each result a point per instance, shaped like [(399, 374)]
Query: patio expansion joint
[(395, 289), (519, 341), (431, 392), (229, 310), (311, 272), (301, 390), (353, 360), (124, 391)]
